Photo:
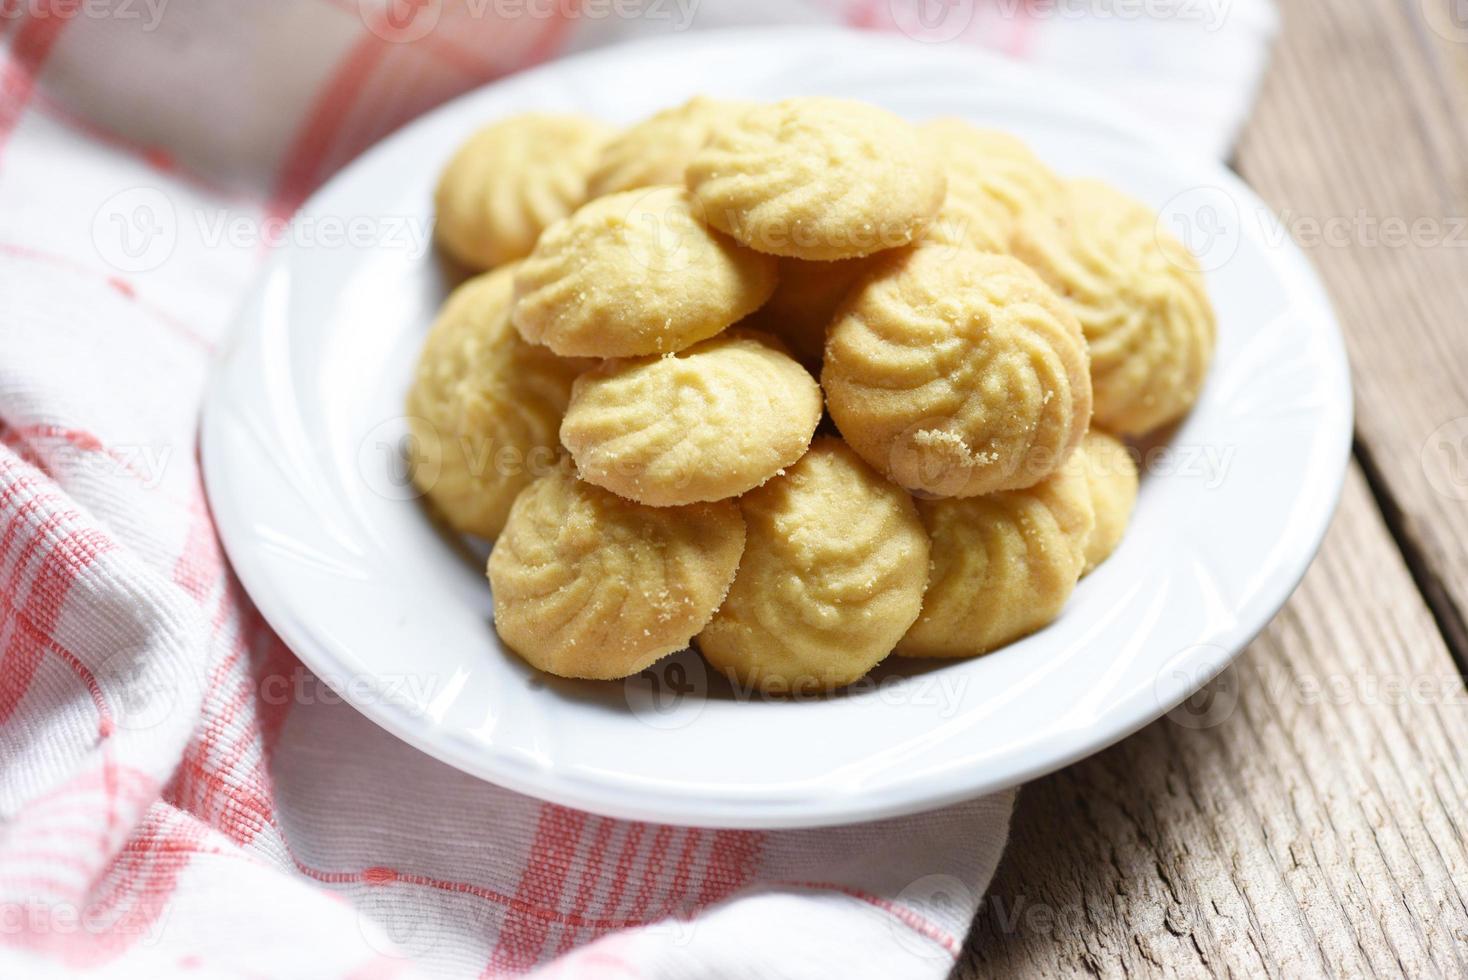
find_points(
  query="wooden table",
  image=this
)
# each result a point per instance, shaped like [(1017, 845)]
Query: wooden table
[(1318, 828)]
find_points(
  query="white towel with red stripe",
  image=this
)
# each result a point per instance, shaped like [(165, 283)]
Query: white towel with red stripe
[(177, 794)]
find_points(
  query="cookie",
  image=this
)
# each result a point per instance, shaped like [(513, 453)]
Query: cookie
[(484, 408), (1139, 296), (805, 302), (833, 573), (986, 167), (1003, 565), (588, 584), (636, 273), (957, 373), (707, 423), (970, 219), (658, 150), (818, 178), (512, 180), (1111, 475), (809, 293)]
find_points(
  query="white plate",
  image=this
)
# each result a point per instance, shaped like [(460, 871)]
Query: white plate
[(303, 424)]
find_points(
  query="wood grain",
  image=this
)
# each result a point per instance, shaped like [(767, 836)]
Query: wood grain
[(1307, 822), (1311, 821), (1364, 120)]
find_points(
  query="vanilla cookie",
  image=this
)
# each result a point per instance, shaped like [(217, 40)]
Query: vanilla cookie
[(588, 584), (986, 167), (805, 303), (484, 408), (512, 180), (818, 178), (833, 573), (1111, 475), (1139, 296), (707, 423), (809, 293), (658, 150), (957, 373), (1003, 565), (636, 273), (969, 219)]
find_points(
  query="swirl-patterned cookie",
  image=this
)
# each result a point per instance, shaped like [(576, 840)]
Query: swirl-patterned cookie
[(818, 178), (707, 423), (1111, 475), (1139, 296), (987, 167), (833, 573), (512, 180), (957, 373), (589, 584), (809, 293), (484, 408), (805, 302), (636, 273), (658, 149), (970, 220), (1003, 565)]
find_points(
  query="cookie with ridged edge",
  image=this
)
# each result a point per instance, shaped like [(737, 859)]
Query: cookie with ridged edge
[(818, 178), (510, 181), (658, 149), (805, 302), (707, 423), (969, 219), (1004, 565), (809, 293), (986, 168), (1139, 296), (957, 373), (636, 273), (589, 584), (835, 564), (1111, 475), (485, 407)]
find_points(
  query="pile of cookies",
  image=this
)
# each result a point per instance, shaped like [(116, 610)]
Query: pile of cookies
[(800, 383)]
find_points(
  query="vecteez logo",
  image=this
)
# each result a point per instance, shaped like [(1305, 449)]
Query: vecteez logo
[(1445, 459), (136, 230), (1448, 19), (932, 21), (400, 21)]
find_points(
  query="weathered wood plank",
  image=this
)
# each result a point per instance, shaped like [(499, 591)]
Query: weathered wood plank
[(1308, 823), (1364, 121)]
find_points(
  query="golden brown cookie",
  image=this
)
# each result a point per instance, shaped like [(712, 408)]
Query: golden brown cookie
[(1111, 474), (657, 150), (588, 584), (1140, 298), (987, 167), (707, 423), (957, 373), (484, 408), (1003, 565), (809, 293), (818, 179), (833, 574), (512, 180), (805, 303), (636, 273)]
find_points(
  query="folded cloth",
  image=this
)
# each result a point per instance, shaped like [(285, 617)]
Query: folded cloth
[(177, 792)]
